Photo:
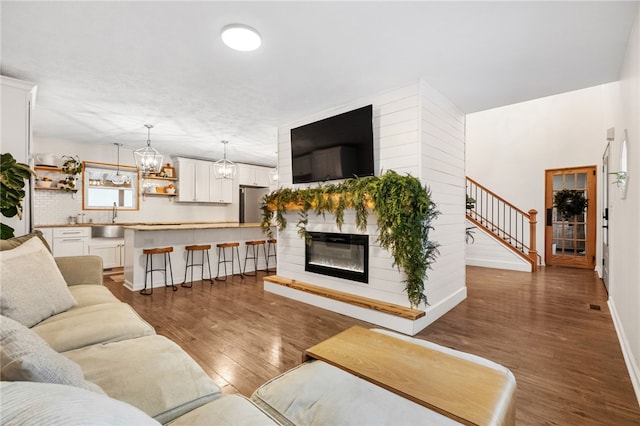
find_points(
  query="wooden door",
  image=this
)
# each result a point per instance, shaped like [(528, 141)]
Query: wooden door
[(571, 241)]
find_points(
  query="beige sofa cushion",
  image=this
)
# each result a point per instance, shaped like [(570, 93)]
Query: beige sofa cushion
[(91, 294), (227, 410), (26, 403), (26, 357), (89, 325), (33, 288), (151, 373)]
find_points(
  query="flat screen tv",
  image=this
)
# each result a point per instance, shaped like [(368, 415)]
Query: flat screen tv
[(337, 147)]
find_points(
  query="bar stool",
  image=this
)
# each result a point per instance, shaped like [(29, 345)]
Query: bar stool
[(148, 268), (255, 251), (204, 248), (222, 254), (271, 246)]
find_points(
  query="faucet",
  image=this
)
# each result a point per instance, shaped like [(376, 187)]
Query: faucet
[(114, 212)]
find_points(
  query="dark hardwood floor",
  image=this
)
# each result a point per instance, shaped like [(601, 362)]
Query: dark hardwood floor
[(564, 353)]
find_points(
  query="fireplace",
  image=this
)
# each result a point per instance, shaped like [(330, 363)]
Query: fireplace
[(338, 255)]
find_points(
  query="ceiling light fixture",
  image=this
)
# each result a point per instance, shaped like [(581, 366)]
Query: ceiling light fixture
[(241, 37), (224, 169), (117, 179), (148, 159)]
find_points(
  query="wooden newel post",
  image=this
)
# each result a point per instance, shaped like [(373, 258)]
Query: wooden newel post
[(533, 253)]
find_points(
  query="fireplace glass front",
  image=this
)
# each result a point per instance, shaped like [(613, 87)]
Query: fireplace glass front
[(338, 255)]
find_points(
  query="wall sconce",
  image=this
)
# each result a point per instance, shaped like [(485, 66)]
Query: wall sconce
[(622, 175)]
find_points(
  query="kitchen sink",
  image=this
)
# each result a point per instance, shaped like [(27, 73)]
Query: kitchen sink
[(107, 231)]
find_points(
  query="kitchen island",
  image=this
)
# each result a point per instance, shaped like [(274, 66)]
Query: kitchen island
[(143, 236)]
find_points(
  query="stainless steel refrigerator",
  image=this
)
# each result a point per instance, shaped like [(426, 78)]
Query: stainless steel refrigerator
[(250, 204)]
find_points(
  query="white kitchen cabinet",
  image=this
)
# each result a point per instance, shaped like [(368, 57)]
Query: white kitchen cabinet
[(199, 185), (111, 250), (71, 241), (220, 190), (194, 180), (250, 175)]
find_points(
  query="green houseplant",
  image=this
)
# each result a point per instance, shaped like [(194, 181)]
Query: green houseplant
[(403, 208), (72, 166), (12, 181)]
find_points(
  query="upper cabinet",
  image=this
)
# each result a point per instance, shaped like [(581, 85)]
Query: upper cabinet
[(199, 185), (250, 175)]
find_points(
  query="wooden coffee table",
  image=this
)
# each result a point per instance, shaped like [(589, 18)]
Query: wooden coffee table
[(460, 389)]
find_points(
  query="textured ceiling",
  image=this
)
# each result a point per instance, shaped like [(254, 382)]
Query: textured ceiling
[(104, 69)]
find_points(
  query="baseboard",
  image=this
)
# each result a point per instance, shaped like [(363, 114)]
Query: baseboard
[(523, 266), (629, 360)]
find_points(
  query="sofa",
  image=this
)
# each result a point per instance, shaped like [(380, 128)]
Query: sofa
[(72, 353)]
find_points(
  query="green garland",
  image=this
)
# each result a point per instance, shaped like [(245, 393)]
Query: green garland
[(403, 208), (569, 202)]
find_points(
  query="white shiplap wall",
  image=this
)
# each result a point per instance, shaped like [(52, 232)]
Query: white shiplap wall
[(407, 124)]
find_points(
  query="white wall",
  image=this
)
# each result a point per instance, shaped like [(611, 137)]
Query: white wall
[(509, 148), (624, 226), (416, 131), (52, 207), (484, 250)]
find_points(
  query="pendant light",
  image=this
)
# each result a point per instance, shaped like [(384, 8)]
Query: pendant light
[(117, 179), (224, 169), (148, 159)]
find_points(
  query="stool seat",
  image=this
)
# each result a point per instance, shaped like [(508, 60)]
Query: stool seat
[(157, 250), (198, 247), (255, 243), (226, 245), (272, 241)]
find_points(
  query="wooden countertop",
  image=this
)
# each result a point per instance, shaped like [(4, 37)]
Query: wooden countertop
[(161, 226), (187, 226), (460, 389)]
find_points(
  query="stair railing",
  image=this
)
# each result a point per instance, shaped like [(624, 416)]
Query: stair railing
[(510, 225)]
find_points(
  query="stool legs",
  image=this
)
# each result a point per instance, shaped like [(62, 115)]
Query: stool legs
[(222, 254), (149, 271), (271, 246), (255, 253), (191, 265)]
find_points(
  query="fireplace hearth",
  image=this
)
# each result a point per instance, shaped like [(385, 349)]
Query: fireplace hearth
[(338, 255)]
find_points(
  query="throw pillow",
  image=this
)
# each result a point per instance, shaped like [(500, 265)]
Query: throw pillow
[(25, 356), (51, 404), (33, 288), (14, 242)]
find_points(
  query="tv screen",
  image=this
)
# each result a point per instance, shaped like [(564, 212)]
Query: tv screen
[(337, 147)]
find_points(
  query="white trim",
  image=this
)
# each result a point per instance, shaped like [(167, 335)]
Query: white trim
[(632, 367), (523, 266)]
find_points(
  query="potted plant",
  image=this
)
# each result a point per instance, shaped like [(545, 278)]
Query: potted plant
[(403, 208), (12, 181), (72, 166)]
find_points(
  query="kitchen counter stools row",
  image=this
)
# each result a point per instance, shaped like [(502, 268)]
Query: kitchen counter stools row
[(252, 253)]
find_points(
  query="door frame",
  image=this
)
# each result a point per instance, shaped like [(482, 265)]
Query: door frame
[(589, 260)]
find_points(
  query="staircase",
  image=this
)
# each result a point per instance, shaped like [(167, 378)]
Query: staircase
[(514, 228)]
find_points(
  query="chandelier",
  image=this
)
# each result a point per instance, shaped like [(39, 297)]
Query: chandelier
[(224, 169), (148, 159)]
